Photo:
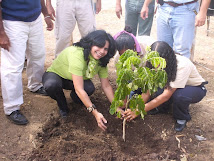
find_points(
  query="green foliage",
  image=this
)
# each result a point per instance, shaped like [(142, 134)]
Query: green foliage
[(133, 74)]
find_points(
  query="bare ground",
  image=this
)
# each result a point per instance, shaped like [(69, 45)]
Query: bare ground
[(49, 137)]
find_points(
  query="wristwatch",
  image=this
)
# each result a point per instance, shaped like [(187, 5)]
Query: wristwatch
[(91, 108)]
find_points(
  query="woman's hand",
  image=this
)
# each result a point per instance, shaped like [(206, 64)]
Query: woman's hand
[(101, 121), (130, 115)]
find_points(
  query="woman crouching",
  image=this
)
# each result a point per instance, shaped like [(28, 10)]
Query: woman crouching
[(184, 87), (73, 69)]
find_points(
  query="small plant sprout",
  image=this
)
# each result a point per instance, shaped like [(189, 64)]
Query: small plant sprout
[(133, 74)]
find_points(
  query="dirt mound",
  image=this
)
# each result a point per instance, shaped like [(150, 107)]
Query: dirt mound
[(78, 137)]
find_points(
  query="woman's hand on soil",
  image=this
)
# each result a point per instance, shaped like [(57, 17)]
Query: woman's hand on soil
[(101, 121), (129, 115)]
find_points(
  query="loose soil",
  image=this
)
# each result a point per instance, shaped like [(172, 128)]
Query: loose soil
[(49, 137)]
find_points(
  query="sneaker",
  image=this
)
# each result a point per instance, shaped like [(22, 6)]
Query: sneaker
[(41, 91), (180, 125), (17, 118)]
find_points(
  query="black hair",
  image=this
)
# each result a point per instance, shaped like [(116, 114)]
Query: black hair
[(125, 41), (98, 38), (166, 52)]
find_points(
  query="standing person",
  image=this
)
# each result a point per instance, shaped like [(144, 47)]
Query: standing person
[(184, 86), (176, 21), (21, 34), (73, 69), (132, 16), (68, 13)]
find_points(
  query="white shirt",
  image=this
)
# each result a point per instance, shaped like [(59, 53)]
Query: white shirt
[(187, 74)]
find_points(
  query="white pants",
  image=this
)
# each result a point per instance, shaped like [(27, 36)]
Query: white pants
[(68, 12), (26, 39)]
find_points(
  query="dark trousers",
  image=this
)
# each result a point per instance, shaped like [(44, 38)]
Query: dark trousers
[(54, 85), (181, 99)]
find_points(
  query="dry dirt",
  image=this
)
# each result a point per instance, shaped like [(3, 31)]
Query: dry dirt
[(48, 137)]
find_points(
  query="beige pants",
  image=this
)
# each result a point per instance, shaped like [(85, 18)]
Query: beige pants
[(68, 13)]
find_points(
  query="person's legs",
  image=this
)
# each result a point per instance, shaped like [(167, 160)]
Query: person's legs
[(65, 24), (35, 54), (85, 16), (12, 64), (164, 31), (145, 26), (88, 87), (183, 29), (182, 98), (131, 15), (53, 85)]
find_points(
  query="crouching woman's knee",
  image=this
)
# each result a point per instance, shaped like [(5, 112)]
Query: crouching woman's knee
[(51, 83), (89, 87), (180, 98)]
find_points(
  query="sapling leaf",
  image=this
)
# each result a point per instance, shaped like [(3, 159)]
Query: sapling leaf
[(134, 87), (119, 114), (112, 110), (129, 85)]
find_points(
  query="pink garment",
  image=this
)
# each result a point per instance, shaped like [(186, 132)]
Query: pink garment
[(138, 49)]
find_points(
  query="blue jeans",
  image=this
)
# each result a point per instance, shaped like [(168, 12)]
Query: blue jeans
[(133, 19), (176, 26)]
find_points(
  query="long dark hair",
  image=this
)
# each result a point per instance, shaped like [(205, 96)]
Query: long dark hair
[(168, 54), (98, 38), (125, 41)]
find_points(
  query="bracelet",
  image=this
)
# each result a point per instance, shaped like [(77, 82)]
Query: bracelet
[(91, 108), (47, 17)]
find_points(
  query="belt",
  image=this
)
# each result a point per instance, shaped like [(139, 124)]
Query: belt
[(203, 83), (173, 4)]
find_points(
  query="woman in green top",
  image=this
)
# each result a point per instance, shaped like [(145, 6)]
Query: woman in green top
[(73, 69)]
